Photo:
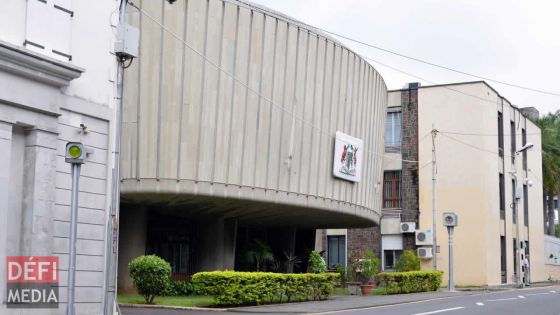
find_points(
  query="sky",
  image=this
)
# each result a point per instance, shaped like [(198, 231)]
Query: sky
[(515, 41)]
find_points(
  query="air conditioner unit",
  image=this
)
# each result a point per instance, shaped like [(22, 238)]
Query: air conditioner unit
[(424, 252), (424, 237), (408, 227)]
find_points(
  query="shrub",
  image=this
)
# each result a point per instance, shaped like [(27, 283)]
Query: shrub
[(342, 274), (242, 288), (180, 287), (408, 261), (150, 275), (316, 263), (410, 281)]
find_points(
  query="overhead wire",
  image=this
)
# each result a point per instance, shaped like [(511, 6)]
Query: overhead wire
[(436, 65)]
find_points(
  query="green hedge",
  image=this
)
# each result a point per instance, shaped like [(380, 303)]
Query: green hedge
[(242, 288), (180, 288), (410, 281)]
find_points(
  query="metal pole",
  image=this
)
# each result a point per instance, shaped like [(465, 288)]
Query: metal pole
[(70, 308), (113, 220), (517, 242), (434, 228), (451, 284)]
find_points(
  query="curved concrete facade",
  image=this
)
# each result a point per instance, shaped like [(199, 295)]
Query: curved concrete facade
[(193, 135)]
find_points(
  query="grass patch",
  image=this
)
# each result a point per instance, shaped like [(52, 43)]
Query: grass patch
[(344, 291), (185, 301)]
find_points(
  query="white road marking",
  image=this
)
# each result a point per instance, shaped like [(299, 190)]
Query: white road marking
[(544, 293), (497, 300), (552, 291), (479, 303), (441, 311), (521, 296)]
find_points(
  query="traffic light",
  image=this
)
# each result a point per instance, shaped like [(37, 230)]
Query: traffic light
[(75, 153)]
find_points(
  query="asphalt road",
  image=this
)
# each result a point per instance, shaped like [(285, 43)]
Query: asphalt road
[(532, 301), (545, 301)]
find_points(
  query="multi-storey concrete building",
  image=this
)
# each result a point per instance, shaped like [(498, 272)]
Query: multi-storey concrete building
[(478, 134), (57, 78), (231, 114)]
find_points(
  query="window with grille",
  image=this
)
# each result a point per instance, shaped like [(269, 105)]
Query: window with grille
[(524, 141), (500, 134), (502, 197), (393, 134), (392, 189)]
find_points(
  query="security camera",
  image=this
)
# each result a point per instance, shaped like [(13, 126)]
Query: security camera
[(85, 128)]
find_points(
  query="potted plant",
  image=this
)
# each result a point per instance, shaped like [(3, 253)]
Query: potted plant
[(370, 267), (352, 283)]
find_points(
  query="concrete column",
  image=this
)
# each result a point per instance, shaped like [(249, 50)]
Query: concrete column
[(5, 157), (216, 249), (38, 192), (132, 242), (319, 240)]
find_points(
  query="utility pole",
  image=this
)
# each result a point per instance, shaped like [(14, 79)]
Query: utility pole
[(434, 171), (126, 49)]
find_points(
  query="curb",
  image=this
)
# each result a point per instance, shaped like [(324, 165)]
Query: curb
[(186, 308)]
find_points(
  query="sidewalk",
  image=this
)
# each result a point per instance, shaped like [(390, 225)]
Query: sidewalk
[(345, 302)]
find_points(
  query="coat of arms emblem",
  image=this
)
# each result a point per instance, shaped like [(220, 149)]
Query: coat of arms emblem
[(349, 159)]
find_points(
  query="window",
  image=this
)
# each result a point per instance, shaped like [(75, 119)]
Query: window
[(393, 134), (49, 28), (502, 197), (513, 210), (513, 142), (390, 258), (525, 205), (336, 251), (524, 141), (392, 189), (501, 134), (556, 204)]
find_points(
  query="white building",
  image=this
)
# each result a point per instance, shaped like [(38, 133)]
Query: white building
[(57, 84)]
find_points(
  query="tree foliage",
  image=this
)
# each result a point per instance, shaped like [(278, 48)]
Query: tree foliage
[(550, 137)]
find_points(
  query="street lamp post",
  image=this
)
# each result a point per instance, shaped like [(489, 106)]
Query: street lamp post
[(516, 197), (75, 155)]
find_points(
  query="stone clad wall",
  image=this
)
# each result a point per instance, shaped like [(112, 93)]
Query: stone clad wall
[(409, 176)]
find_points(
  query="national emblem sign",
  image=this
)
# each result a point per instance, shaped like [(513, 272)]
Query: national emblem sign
[(348, 154)]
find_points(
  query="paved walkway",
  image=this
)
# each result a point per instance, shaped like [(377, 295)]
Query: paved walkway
[(344, 302), (335, 303)]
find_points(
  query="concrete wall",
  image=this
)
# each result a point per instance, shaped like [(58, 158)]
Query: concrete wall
[(191, 129), (42, 104), (468, 180)]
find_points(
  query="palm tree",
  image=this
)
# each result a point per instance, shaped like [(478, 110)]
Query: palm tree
[(259, 254), (550, 128)]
